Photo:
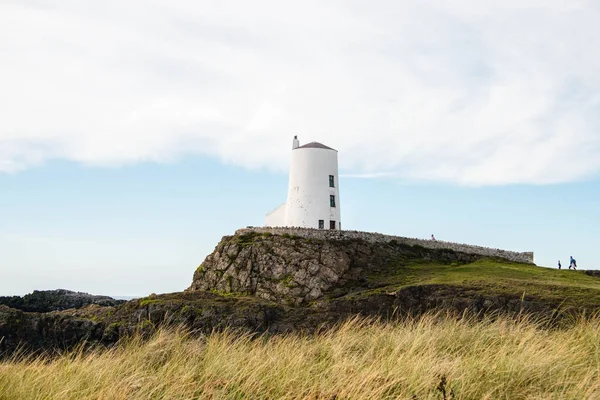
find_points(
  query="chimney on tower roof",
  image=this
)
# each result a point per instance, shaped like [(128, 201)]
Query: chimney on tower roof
[(296, 143)]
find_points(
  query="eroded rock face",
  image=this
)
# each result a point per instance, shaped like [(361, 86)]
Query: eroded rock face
[(47, 331), (295, 270), (200, 312)]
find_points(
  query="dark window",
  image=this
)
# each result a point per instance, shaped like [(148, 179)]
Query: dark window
[(331, 224), (332, 201), (331, 181), (321, 224)]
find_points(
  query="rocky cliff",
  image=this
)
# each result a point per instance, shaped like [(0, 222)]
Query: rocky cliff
[(273, 281), (294, 270)]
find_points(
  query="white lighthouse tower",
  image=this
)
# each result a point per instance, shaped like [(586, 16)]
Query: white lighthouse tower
[(313, 194)]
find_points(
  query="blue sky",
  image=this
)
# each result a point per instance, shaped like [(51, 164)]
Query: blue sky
[(131, 141)]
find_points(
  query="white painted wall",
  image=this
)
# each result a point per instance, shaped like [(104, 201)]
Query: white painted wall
[(276, 217), (308, 193)]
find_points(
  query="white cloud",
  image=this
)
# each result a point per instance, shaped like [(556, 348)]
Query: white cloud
[(473, 92)]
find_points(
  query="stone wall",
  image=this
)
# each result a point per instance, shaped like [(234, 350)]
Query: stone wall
[(324, 234)]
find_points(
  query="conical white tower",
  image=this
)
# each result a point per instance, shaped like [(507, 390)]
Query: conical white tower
[(313, 194)]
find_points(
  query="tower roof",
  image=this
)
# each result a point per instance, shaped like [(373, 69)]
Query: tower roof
[(316, 145)]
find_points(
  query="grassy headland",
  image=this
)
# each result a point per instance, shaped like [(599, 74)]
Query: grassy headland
[(496, 277)]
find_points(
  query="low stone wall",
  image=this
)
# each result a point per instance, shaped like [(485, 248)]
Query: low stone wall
[(325, 234)]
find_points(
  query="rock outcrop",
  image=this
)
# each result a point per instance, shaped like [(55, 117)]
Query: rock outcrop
[(48, 332), (379, 238), (55, 300), (201, 312), (296, 270)]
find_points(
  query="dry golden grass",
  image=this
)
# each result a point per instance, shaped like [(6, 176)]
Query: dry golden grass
[(501, 359)]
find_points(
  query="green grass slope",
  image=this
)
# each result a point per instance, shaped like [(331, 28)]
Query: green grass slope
[(495, 277)]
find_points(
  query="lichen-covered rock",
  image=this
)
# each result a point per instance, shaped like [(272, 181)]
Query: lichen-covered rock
[(296, 270)]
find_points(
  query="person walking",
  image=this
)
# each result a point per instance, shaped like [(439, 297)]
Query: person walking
[(573, 264), (559, 265), (432, 237)]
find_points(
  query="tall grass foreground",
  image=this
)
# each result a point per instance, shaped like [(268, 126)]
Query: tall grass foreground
[(430, 357)]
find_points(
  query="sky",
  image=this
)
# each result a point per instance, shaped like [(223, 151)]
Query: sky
[(134, 135)]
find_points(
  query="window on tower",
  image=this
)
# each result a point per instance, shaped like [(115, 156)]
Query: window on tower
[(331, 224), (331, 181), (321, 224), (332, 201)]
